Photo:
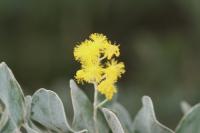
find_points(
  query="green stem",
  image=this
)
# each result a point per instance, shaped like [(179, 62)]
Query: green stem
[(94, 107), (102, 103)]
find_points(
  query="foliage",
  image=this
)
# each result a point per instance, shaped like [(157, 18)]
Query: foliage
[(43, 112)]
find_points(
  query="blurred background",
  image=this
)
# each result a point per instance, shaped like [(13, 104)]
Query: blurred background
[(159, 45)]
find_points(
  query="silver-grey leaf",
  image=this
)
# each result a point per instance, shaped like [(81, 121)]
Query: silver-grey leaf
[(123, 116), (146, 122), (28, 102), (185, 107), (10, 127), (83, 111), (190, 123), (47, 109), (11, 95), (113, 121), (3, 114), (27, 129), (38, 128)]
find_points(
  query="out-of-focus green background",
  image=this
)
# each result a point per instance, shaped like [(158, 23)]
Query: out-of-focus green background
[(160, 45)]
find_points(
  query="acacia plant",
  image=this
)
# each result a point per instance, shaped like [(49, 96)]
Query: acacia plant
[(99, 67), (43, 112)]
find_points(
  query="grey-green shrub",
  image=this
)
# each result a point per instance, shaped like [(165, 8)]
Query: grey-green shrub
[(44, 113)]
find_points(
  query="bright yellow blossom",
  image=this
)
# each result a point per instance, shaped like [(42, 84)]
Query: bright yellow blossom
[(93, 55), (98, 38), (107, 88), (91, 73), (114, 70), (86, 52), (111, 50)]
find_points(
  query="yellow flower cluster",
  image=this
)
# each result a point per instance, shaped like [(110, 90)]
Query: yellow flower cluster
[(98, 65)]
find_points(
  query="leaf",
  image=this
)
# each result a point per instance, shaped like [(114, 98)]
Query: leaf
[(190, 123), (146, 122), (10, 127), (29, 126), (47, 109), (38, 127), (102, 124), (3, 115), (185, 107), (11, 95), (28, 101), (123, 116), (6, 124), (113, 121), (27, 129), (83, 111)]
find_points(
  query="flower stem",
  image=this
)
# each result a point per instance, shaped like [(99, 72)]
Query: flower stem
[(102, 103), (95, 107)]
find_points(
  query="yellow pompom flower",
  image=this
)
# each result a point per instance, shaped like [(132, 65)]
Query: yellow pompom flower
[(111, 50), (98, 38), (86, 53), (93, 53), (91, 73), (107, 88), (114, 70)]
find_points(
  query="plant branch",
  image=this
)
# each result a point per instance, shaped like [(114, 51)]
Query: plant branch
[(102, 103), (94, 107)]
